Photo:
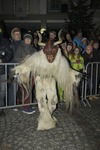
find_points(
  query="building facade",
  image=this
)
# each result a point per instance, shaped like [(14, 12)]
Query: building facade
[(37, 14)]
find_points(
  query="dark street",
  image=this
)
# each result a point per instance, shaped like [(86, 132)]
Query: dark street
[(81, 131)]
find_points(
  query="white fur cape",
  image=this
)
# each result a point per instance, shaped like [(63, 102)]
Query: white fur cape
[(59, 69)]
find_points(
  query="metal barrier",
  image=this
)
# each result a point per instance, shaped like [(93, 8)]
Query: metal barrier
[(11, 88), (90, 87)]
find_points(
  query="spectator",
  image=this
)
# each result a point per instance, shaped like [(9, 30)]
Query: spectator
[(52, 36), (88, 57), (73, 33), (78, 39), (91, 41), (6, 54), (67, 48), (96, 51), (68, 38), (98, 38), (96, 58), (64, 49), (77, 63), (84, 44), (35, 44), (24, 50), (15, 43), (76, 60)]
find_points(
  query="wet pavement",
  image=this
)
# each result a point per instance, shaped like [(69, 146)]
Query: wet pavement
[(80, 131)]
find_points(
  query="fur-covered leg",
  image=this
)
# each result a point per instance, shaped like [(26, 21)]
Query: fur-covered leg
[(69, 97), (70, 90), (72, 98), (45, 120), (52, 95)]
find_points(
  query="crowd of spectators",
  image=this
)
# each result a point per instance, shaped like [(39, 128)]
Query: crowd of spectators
[(81, 50), (78, 49)]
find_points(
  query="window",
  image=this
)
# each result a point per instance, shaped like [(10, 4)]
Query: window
[(6, 7), (54, 5)]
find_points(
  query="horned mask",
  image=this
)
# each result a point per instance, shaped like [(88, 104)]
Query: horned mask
[(50, 48)]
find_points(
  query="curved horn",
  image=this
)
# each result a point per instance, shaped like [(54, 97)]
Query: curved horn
[(59, 36), (40, 39)]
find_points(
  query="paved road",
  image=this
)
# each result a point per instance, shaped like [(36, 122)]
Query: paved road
[(81, 131)]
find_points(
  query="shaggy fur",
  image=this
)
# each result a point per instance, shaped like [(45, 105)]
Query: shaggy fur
[(23, 77), (47, 100), (46, 75)]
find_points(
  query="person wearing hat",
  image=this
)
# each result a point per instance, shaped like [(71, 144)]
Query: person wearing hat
[(28, 36), (24, 50), (15, 43), (16, 34)]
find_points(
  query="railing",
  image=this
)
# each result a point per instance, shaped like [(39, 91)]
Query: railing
[(89, 87), (9, 94)]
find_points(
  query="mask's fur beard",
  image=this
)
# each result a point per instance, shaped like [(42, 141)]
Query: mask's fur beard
[(59, 69)]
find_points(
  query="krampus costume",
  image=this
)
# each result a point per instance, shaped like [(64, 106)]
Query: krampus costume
[(48, 67)]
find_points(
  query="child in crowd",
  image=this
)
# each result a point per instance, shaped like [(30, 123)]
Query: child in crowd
[(24, 50), (77, 63), (76, 60)]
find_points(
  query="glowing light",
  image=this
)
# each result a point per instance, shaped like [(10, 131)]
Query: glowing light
[(42, 30)]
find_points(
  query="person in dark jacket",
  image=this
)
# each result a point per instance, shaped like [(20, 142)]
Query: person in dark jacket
[(88, 57), (15, 43), (35, 44), (6, 54), (25, 49), (96, 69)]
